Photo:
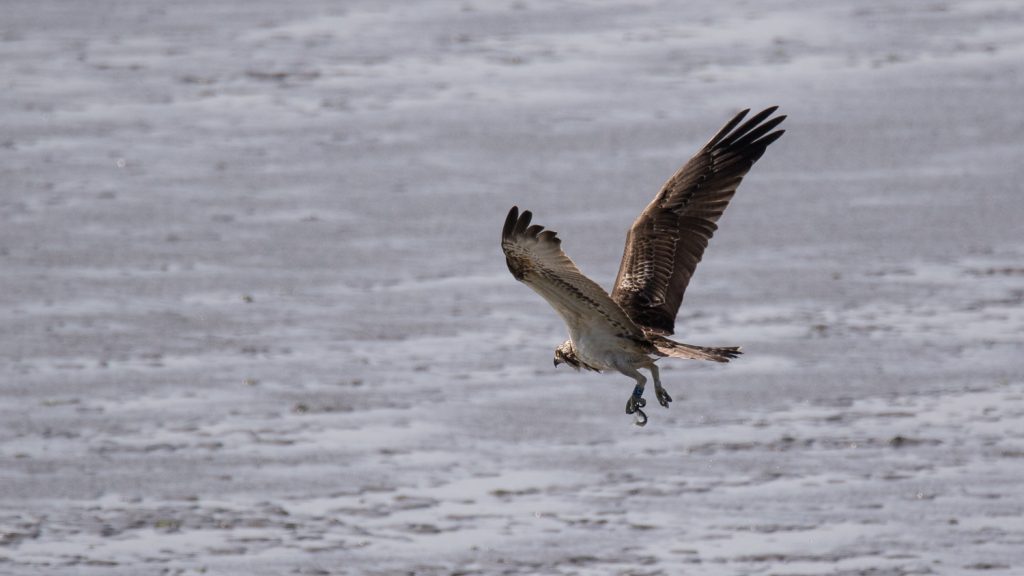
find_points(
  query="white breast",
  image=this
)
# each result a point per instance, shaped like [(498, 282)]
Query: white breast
[(600, 348)]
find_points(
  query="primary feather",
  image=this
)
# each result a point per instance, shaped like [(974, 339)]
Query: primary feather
[(668, 239)]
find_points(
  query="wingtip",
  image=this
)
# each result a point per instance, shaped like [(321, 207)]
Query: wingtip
[(523, 223), (753, 131), (725, 130), (767, 140), (510, 223)]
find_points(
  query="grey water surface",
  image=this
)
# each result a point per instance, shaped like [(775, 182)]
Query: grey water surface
[(254, 318)]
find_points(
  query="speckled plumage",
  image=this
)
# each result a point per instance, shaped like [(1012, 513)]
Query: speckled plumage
[(627, 329)]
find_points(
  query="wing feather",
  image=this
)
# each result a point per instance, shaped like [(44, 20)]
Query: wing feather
[(668, 239), (535, 257)]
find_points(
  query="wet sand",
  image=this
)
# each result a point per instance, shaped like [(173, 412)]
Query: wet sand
[(256, 320)]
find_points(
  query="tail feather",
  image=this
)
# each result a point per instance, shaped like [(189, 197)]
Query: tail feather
[(675, 349)]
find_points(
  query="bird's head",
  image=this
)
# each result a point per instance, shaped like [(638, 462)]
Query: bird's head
[(566, 354)]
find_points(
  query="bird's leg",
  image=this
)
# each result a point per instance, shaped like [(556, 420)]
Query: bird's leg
[(660, 392), (636, 400)]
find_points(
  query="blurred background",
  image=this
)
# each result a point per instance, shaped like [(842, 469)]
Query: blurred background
[(256, 320)]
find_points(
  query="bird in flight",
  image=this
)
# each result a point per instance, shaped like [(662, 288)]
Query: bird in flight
[(629, 328)]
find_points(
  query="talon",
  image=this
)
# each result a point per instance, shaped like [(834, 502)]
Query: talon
[(641, 418), (634, 404), (663, 397), (636, 401)]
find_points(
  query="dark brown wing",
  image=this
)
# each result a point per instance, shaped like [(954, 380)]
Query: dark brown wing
[(535, 257), (668, 239)]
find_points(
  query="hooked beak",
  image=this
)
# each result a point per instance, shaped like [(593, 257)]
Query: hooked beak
[(557, 362)]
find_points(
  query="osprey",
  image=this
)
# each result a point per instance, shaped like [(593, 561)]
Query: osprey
[(629, 328)]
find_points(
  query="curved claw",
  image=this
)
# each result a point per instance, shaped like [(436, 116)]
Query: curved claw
[(635, 403), (634, 406), (641, 418), (663, 398)]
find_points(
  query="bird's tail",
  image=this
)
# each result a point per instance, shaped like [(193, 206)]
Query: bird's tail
[(675, 349)]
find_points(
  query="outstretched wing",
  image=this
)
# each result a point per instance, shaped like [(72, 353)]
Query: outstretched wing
[(668, 239), (534, 256)]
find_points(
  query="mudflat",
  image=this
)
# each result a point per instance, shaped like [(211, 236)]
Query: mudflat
[(254, 317)]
